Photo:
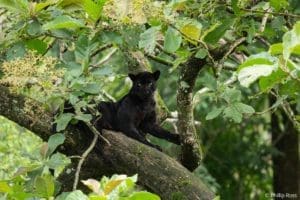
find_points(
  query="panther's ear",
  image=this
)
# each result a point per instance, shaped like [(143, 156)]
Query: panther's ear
[(156, 75), (132, 77)]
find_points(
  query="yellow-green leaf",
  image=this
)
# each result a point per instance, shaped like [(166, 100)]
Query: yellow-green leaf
[(4, 187), (192, 32), (112, 184)]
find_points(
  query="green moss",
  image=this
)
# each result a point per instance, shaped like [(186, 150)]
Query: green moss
[(177, 196), (184, 182)]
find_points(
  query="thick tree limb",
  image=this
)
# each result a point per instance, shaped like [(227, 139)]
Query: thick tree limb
[(157, 171), (191, 149)]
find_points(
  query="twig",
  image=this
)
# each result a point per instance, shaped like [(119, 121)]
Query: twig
[(95, 131), (49, 46), (3, 12), (71, 157), (197, 41), (83, 157), (206, 89), (159, 60), (264, 21), (89, 149), (58, 37), (106, 58), (162, 49), (270, 12), (273, 107), (265, 42), (262, 12), (288, 111), (106, 46), (108, 96), (286, 70), (232, 47), (291, 115)]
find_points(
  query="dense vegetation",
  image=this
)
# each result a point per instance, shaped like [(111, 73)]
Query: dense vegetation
[(230, 86)]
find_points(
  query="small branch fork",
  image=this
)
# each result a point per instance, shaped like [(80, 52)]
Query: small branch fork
[(83, 157), (97, 135)]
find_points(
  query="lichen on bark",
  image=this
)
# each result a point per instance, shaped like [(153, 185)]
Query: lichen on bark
[(191, 148)]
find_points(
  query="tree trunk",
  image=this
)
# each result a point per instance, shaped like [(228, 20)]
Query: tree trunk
[(286, 173), (157, 171), (191, 149)]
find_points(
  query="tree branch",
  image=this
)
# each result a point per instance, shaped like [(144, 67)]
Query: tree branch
[(157, 171), (191, 149)]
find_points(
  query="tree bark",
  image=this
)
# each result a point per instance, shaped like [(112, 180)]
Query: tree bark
[(286, 173), (157, 171), (191, 149)]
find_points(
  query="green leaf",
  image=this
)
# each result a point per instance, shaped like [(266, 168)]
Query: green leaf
[(291, 41), (17, 50), (215, 35), (279, 4), (4, 187), (75, 195), (74, 69), (190, 28), (57, 162), (214, 113), (84, 117), (143, 195), (201, 53), (172, 40), (236, 9), (54, 141), (251, 74), (268, 82), (83, 49), (290, 88), (217, 198), (93, 185), (44, 149), (231, 95), (62, 33), (93, 8), (256, 66), (63, 120), (53, 103), (113, 183), (19, 6), (63, 21), (232, 113), (34, 28), (40, 6), (243, 108), (38, 45), (276, 49), (44, 185), (148, 39), (91, 88)]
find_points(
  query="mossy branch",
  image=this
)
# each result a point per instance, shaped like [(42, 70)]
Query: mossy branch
[(157, 171)]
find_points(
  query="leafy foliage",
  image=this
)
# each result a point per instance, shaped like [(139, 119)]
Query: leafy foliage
[(79, 51)]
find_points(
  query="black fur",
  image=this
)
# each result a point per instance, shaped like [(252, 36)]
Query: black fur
[(134, 114)]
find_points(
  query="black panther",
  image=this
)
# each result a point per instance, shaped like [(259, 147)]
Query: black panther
[(134, 115)]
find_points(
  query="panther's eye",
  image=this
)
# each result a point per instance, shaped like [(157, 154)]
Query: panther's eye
[(150, 84), (139, 85)]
